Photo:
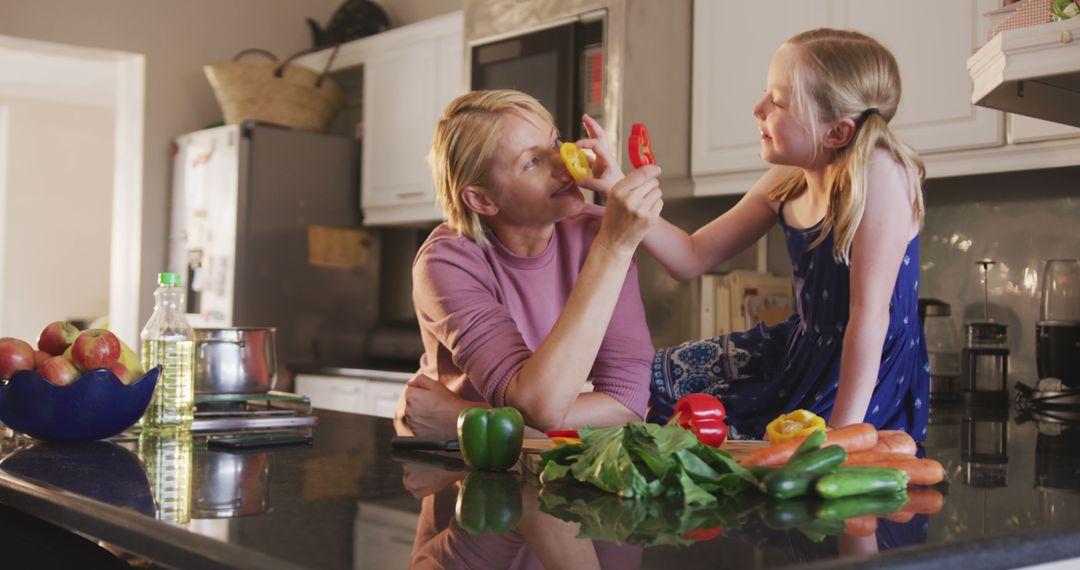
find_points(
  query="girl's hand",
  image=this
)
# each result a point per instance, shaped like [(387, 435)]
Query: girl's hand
[(633, 207), (605, 167)]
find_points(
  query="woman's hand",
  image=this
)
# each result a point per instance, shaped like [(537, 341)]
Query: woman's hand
[(605, 167), (632, 209), (431, 409)]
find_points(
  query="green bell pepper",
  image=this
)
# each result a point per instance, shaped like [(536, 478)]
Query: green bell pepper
[(489, 503), (490, 438)]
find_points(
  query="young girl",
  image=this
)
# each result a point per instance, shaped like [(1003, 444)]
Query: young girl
[(847, 194)]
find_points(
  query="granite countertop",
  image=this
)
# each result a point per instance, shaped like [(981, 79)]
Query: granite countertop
[(349, 501)]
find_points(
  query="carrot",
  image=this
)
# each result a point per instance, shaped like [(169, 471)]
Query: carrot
[(900, 516), (856, 437), (923, 501), (865, 525), (895, 441), (920, 471), (864, 458)]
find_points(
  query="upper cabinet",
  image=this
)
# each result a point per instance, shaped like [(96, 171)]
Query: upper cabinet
[(932, 41), (409, 75)]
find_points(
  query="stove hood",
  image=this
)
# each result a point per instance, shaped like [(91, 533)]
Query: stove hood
[(1033, 71)]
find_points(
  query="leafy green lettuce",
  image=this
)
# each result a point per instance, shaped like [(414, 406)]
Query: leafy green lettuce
[(642, 460)]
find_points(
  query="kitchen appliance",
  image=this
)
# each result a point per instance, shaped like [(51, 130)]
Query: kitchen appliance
[(238, 360), (943, 349), (265, 232), (561, 65), (985, 358), (1057, 334), (984, 447)]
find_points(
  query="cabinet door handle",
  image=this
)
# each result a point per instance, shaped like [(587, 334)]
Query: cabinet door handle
[(408, 195)]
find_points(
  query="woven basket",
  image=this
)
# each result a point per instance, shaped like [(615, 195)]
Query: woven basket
[(275, 92)]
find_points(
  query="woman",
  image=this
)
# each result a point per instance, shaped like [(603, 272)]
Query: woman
[(526, 291)]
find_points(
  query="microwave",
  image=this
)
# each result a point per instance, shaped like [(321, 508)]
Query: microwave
[(562, 65)]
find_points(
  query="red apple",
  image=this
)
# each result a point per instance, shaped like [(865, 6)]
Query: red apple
[(95, 348), (15, 355), (59, 371), (56, 337), (125, 374), (40, 356)]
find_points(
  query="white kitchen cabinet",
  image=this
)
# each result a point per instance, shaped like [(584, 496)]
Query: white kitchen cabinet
[(383, 397), (932, 40), (353, 394), (733, 45), (336, 393), (1028, 129), (409, 75)]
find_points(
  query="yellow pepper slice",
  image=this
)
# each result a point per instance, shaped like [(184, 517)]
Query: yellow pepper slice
[(796, 424), (576, 161)]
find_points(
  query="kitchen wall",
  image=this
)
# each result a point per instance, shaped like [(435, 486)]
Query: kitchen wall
[(1016, 218), (56, 226), (177, 39)]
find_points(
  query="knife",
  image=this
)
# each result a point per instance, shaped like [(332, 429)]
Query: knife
[(424, 443)]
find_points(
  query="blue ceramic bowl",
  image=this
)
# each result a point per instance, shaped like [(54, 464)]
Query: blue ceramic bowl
[(95, 406)]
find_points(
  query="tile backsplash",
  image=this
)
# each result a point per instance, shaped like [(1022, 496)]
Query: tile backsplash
[(1018, 219)]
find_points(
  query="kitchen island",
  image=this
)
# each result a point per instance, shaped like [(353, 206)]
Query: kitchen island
[(348, 501)]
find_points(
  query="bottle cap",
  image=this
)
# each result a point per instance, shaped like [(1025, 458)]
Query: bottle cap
[(168, 278)]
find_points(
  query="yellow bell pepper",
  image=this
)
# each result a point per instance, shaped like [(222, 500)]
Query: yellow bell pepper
[(799, 423)]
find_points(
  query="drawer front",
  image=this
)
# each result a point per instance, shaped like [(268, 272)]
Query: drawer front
[(334, 393), (383, 398)]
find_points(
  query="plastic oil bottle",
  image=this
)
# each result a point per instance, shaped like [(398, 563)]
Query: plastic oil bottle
[(167, 341)]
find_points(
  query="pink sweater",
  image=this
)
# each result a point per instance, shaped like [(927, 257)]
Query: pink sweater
[(482, 312)]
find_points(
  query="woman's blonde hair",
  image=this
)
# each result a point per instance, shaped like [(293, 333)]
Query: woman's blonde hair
[(463, 147), (847, 74)]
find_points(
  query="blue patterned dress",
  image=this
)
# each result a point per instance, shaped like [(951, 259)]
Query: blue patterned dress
[(765, 371)]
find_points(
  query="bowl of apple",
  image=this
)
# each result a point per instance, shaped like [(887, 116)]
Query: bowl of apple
[(79, 386)]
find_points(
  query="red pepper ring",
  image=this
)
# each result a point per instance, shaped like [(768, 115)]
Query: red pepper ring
[(703, 415), (640, 147)]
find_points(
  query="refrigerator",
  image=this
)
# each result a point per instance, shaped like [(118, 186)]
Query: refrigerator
[(265, 231)]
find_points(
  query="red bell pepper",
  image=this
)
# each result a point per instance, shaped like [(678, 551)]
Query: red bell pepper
[(702, 534), (640, 149), (704, 415)]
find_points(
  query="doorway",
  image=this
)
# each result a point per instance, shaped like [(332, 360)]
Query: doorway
[(71, 156)]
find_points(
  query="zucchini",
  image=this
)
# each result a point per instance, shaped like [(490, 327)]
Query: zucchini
[(813, 442), (860, 505), (851, 481), (782, 515), (817, 529), (784, 485), (820, 462), (797, 475)]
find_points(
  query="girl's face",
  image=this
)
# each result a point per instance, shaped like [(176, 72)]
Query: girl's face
[(532, 185), (784, 136)]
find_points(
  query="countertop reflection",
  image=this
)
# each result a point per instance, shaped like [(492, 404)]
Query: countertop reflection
[(347, 501)]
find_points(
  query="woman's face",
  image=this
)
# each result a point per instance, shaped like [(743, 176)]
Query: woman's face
[(532, 185), (784, 138)]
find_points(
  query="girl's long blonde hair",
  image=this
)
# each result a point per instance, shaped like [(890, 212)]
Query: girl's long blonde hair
[(462, 149), (839, 74)]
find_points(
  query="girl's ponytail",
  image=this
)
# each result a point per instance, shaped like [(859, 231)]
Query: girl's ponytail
[(846, 181)]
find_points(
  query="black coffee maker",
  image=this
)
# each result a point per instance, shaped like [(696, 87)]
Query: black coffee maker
[(1057, 333)]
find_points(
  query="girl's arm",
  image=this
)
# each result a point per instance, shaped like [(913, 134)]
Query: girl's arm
[(686, 256), (887, 225)]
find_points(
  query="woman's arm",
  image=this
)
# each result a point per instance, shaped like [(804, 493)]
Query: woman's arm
[(888, 224), (550, 380), (686, 256)]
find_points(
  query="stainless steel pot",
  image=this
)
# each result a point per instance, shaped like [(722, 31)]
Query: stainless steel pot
[(227, 485), (238, 360)]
